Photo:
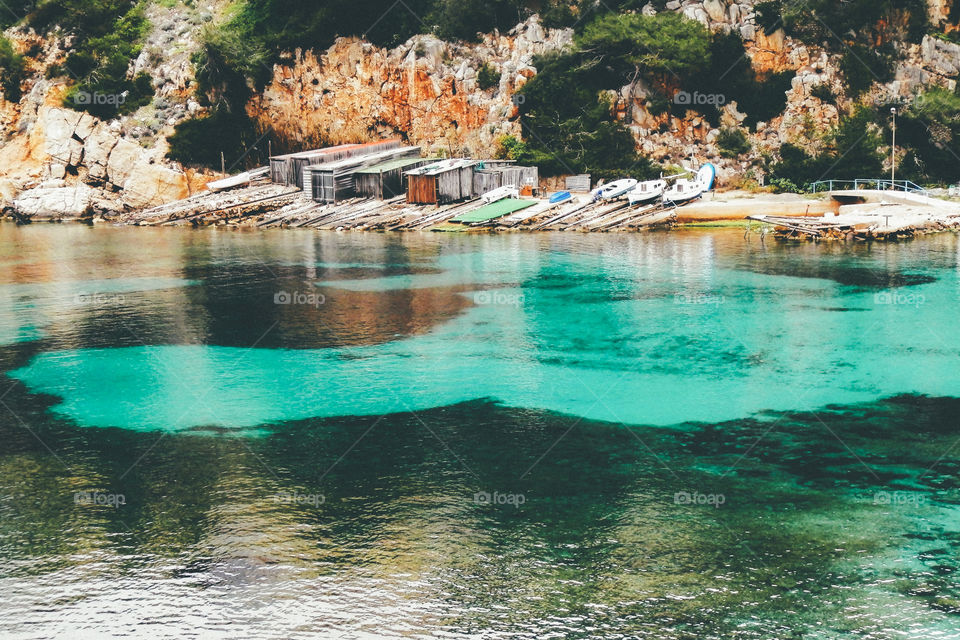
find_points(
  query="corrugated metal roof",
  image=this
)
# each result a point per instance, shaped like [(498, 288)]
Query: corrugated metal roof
[(494, 210), (390, 165), (442, 167), (361, 159)]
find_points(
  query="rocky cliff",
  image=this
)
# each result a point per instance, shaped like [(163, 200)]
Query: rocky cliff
[(427, 90), (449, 98), (61, 163)]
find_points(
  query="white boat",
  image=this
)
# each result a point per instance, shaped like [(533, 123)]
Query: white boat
[(239, 180), (615, 189), (499, 194), (685, 190), (646, 192)]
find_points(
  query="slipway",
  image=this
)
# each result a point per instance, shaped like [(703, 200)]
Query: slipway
[(493, 211)]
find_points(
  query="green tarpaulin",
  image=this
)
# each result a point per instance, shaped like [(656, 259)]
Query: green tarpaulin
[(494, 210)]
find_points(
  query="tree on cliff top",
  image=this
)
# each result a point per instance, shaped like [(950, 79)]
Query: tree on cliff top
[(662, 49)]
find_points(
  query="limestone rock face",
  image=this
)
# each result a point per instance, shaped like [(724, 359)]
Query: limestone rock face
[(55, 202), (61, 162), (426, 90), (60, 143), (92, 161), (152, 184), (96, 151), (123, 159)]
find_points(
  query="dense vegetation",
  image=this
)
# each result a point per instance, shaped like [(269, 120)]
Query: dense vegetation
[(930, 131), (851, 150), (12, 70), (864, 32), (105, 35), (566, 112)]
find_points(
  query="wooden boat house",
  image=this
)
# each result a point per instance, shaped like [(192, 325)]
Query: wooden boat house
[(288, 169), (493, 174), (334, 181), (386, 180), (441, 182)]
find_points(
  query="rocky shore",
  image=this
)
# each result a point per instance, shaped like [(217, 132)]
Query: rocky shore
[(59, 163)]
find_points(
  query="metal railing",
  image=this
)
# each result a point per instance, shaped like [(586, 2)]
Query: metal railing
[(869, 184)]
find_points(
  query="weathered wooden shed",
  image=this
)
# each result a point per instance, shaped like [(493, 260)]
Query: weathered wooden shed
[(282, 167), (333, 181), (441, 182), (288, 169), (489, 176), (385, 180)]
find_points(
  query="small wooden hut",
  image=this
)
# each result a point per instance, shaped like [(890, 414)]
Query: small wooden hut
[(441, 182), (288, 169), (333, 181), (385, 180), (493, 175)]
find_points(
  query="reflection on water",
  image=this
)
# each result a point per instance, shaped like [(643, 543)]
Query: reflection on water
[(475, 517)]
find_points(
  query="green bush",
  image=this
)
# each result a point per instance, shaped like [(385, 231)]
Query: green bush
[(464, 19), (823, 93), (510, 148), (852, 150), (106, 36), (567, 124), (930, 131), (782, 185), (200, 141), (728, 72), (864, 21), (733, 143), (488, 77), (13, 70), (767, 16), (862, 65)]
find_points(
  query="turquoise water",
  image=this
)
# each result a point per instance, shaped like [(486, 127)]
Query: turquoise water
[(677, 435)]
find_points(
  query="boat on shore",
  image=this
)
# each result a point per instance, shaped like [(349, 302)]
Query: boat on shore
[(615, 189), (686, 190), (647, 192), (239, 180), (500, 193), (560, 196), (683, 191)]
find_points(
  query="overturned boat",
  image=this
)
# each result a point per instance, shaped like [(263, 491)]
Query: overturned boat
[(500, 193)]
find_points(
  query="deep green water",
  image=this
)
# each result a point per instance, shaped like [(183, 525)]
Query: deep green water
[(321, 468)]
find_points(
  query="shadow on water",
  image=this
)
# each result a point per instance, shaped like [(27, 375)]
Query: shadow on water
[(476, 519), (504, 519)]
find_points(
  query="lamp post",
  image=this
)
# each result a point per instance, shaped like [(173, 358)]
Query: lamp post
[(893, 150)]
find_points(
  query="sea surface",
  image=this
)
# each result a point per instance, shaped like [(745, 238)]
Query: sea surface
[(682, 435)]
